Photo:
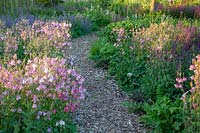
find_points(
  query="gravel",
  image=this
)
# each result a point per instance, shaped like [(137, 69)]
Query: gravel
[(102, 110)]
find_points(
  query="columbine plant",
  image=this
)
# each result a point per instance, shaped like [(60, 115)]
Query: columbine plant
[(38, 92), (39, 39), (191, 98)]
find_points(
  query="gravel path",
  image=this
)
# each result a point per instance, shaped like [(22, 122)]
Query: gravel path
[(101, 111)]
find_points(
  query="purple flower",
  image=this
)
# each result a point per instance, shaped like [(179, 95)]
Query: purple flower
[(49, 130)]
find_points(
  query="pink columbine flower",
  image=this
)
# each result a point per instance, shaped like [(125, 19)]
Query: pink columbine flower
[(192, 67), (192, 77), (12, 63), (184, 79), (192, 90), (194, 105), (34, 106), (67, 108)]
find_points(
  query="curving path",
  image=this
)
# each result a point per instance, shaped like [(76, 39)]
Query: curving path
[(101, 111)]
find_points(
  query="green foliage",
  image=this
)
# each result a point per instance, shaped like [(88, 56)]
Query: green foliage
[(98, 16), (85, 16), (165, 116), (104, 3), (128, 76), (49, 2), (135, 22), (102, 52), (81, 25), (134, 107), (129, 7), (45, 12), (28, 124), (159, 80), (148, 72)]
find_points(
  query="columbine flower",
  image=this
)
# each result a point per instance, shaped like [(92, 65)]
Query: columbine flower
[(19, 110), (192, 67), (49, 130), (13, 110), (12, 63), (192, 90), (38, 117), (46, 70), (41, 80), (51, 79), (194, 105), (184, 79), (183, 97), (67, 109), (54, 111), (34, 106), (18, 62), (18, 97), (61, 122), (180, 86)]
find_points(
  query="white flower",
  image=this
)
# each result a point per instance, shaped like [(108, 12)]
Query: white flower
[(19, 110), (38, 117), (129, 74), (46, 70), (34, 65), (30, 80), (18, 97), (61, 122), (41, 80), (24, 81), (51, 79), (13, 110), (34, 106), (57, 123)]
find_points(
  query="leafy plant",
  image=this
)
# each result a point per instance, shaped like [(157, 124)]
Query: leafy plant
[(38, 90), (80, 25), (102, 52), (98, 16), (165, 116), (134, 107)]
